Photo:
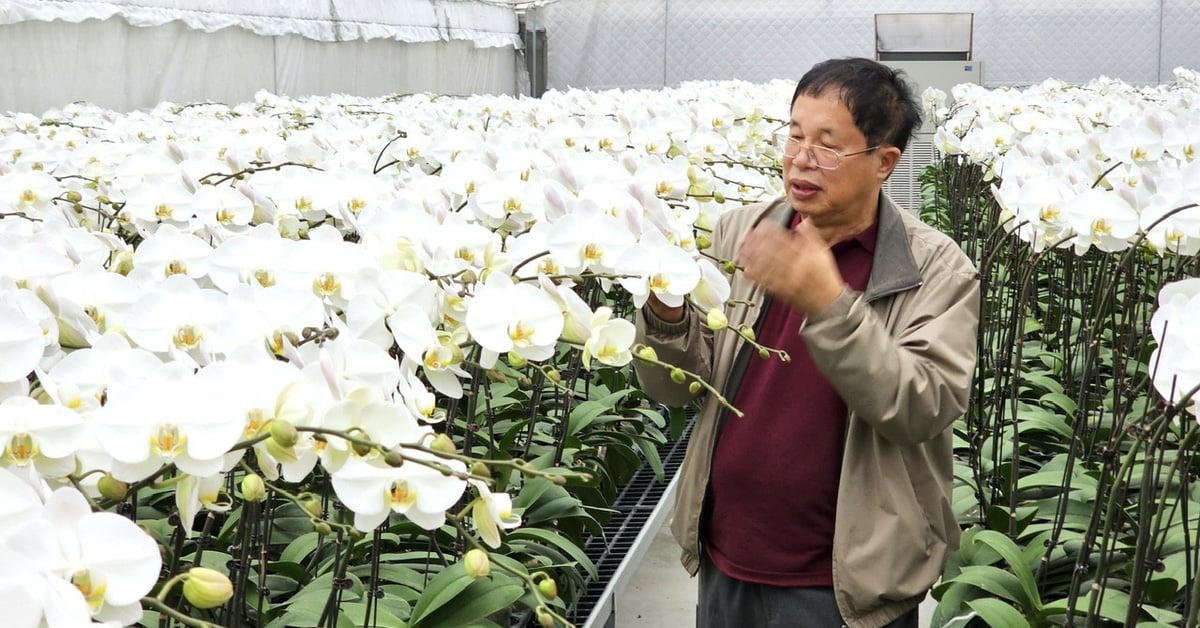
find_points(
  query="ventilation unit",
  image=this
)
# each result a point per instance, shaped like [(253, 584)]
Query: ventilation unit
[(933, 50)]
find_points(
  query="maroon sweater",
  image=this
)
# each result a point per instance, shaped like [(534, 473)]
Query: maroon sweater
[(774, 486)]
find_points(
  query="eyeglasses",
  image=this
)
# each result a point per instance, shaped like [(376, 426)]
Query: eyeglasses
[(819, 156)]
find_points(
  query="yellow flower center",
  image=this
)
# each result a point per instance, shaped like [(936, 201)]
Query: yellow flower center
[(521, 335), (264, 278), (21, 449), (254, 422), (225, 216), (304, 204), (175, 267), (162, 211), (512, 206), (168, 441), (93, 592), (326, 284), (659, 283), (28, 197), (402, 496), (1101, 227), (187, 338), (357, 205)]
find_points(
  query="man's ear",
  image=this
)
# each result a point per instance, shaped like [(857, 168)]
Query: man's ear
[(889, 156)]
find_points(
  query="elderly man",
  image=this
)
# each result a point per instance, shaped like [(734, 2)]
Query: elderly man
[(828, 503)]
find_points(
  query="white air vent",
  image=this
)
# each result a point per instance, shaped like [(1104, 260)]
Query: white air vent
[(904, 186)]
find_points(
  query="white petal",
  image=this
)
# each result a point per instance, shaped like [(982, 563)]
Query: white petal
[(127, 557)]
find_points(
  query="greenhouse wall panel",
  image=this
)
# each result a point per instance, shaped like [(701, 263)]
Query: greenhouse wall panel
[(656, 43)]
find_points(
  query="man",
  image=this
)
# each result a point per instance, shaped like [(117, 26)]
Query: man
[(828, 503)]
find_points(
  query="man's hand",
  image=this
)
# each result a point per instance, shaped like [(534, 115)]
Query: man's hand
[(795, 266), (665, 313)]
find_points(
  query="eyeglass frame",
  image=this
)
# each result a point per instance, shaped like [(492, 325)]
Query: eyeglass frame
[(780, 134)]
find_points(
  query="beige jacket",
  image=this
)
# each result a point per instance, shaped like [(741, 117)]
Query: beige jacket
[(901, 355)]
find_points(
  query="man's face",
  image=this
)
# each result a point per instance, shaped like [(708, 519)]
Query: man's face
[(847, 193)]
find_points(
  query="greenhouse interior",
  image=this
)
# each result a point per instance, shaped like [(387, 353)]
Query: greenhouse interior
[(633, 313)]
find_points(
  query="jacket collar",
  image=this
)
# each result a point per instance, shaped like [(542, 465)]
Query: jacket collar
[(893, 270)]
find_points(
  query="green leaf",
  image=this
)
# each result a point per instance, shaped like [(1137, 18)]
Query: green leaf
[(1011, 554), (444, 587), (998, 614), (380, 618), (297, 551), (1114, 606), (1060, 401), (993, 580), (555, 540), (479, 600)]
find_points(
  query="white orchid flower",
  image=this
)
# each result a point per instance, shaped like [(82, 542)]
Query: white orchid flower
[(1175, 363), (170, 251), (609, 341), (503, 317), (102, 559), (200, 428), (21, 343), (177, 315), (438, 355), (364, 414), (370, 314), (251, 258), (492, 512), (222, 208), (420, 493), (588, 239), (653, 265), (1102, 219), (713, 289), (42, 436)]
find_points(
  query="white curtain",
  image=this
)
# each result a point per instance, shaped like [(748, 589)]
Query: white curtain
[(126, 57)]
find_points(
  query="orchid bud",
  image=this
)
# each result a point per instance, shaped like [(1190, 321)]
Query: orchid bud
[(253, 488), (362, 450), (321, 527), (763, 353), (553, 375), (73, 196), (716, 319), (647, 353), (516, 361), (207, 588), (284, 433), (480, 470), (394, 457), (282, 454), (313, 506), (678, 376), (477, 563), (703, 242), (546, 586), (747, 332), (444, 444), (718, 198), (695, 388), (111, 488), (729, 267), (544, 618)]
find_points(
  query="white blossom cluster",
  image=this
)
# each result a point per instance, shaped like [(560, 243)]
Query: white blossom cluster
[(1103, 164), (176, 281)]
